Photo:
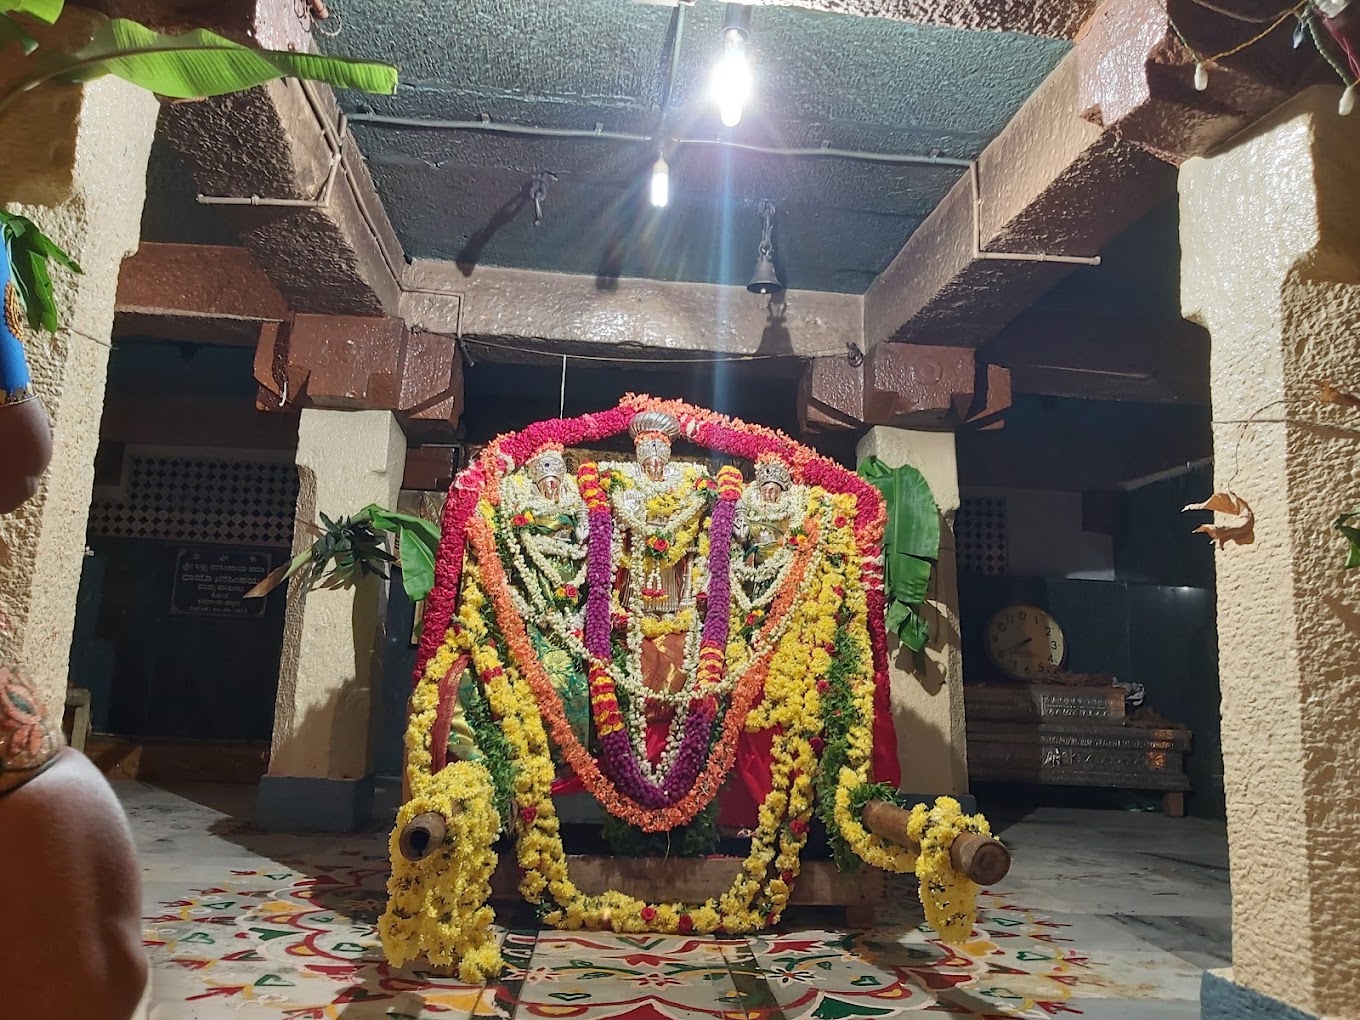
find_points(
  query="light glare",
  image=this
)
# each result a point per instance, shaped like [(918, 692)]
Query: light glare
[(731, 83), (661, 183)]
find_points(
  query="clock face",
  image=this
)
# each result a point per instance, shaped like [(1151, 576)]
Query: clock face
[(1022, 638)]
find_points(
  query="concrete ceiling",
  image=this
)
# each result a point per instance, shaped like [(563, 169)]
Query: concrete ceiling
[(852, 82)]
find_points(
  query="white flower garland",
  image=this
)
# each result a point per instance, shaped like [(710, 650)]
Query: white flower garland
[(567, 625)]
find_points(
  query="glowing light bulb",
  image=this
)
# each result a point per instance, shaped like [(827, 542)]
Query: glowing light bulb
[(661, 183), (731, 85)]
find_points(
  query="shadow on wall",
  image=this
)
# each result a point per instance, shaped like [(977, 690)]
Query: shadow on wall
[(335, 736), (928, 716)]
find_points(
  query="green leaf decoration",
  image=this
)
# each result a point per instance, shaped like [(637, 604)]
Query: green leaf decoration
[(193, 65), (29, 252), (350, 549), (911, 545), (43, 10), (417, 563), (11, 33), (418, 542), (1352, 535)]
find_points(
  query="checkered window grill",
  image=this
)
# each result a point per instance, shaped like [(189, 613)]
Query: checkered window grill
[(187, 499), (980, 535)]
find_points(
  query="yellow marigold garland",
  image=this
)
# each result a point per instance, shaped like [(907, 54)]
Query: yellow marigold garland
[(949, 899), (437, 907), (760, 891), (680, 623)]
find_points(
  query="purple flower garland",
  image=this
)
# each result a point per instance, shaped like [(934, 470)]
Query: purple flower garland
[(616, 749)]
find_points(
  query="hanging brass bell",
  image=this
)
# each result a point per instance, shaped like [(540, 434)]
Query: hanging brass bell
[(764, 280)]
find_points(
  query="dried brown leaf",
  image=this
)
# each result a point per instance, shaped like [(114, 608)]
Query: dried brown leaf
[(275, 578), (1241, 523), (1329, 394)]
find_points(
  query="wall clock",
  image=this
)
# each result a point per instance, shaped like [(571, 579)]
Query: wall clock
[(1022, 639)]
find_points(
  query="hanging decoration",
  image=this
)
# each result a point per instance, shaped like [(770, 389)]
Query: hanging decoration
[(1332, 25), (647, 631)]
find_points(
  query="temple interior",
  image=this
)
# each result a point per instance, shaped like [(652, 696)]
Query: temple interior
[(611, 311)]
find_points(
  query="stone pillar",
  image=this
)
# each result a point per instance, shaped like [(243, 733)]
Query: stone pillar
[(1270, 238), (319, 765), (927, 690), (78, 153)]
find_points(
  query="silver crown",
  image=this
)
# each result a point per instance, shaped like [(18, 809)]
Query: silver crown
[(775, 471), (547, 464), (653, 421)]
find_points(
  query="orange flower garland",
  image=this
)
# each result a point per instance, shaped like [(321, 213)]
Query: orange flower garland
[(580, 759)]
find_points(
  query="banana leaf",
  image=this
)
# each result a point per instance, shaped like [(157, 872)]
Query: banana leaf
[(192, 65), (417, 542), (11, 32), (1352, 535), (43, 10), (29, 251), (911, 545)]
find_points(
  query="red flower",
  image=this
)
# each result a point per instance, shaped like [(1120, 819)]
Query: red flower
[(519, 521), (572, 591), (649, 914), (786, 877), (817, 743), (798, 827), (823, 686), (685, 924), (528, 814), (839, 521)]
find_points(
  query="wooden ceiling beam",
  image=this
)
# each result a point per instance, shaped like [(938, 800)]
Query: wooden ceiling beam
[(1056, 19), (319, 229), (1084, 157), (904, 385), (280, 164), (195, 292), (1074, 353)]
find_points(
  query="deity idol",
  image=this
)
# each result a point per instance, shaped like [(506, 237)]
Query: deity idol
[(660, 511), (770, 516), (547, 530)]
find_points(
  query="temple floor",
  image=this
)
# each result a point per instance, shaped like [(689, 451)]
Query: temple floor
[(1105, 915)]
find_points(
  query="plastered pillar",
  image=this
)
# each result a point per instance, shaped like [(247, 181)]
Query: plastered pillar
[(927, 689), (319, 776), (80, 151), (1270, 237)]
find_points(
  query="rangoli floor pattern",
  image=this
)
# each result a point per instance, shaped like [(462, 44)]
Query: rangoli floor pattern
[(248, 925)]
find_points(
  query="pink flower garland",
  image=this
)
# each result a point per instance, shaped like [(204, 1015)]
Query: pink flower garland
[(704, 428)]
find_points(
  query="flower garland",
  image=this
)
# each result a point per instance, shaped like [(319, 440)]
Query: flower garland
[(760, 891), (949, 899), (436, 907), (617, 751), (818, 654), (706, 428), (582, 762)]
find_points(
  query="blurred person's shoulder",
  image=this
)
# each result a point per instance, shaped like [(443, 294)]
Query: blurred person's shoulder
[(29, 743)]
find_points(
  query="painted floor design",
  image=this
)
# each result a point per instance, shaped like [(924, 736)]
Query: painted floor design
[(248, 925)]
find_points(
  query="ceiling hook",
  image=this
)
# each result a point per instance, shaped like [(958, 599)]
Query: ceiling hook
[(538, 191)]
